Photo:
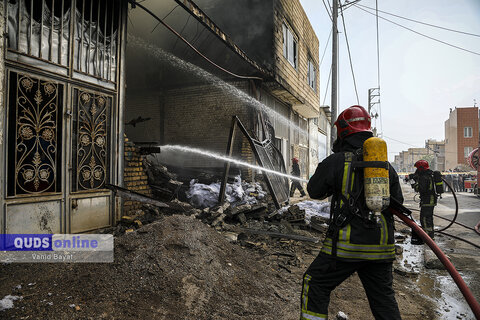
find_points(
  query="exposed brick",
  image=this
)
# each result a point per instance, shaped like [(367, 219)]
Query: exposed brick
[(135, 178)]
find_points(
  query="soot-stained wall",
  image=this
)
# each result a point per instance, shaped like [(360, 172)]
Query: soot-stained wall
[(248, 22)]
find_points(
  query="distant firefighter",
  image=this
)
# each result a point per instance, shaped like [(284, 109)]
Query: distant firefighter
[(295, 183), (429, 185)]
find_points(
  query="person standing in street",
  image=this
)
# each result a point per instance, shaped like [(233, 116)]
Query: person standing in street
[(425, 186), (449, 179), (295, 183), (456, 185), (355, 242)]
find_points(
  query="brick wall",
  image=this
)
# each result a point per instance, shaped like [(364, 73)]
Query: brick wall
[(466, 117), (135, 178), (292, 12), (455, 142), (201, 117)]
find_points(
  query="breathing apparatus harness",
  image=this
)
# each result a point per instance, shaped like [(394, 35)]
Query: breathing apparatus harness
[(351, 202)]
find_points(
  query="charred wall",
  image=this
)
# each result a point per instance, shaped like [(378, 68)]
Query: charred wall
[(248, 22)]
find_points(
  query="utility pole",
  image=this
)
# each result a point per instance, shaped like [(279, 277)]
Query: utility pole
[(373, 99), (334, 69)]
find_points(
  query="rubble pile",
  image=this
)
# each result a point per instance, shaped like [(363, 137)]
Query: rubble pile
[(174, 268), (164, 184)]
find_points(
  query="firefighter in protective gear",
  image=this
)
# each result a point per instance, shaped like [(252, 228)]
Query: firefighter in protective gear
[(295, 183), (355, 242), (425, 186)]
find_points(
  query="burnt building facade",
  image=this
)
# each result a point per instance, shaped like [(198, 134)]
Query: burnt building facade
[(270, 44), (74, 81)]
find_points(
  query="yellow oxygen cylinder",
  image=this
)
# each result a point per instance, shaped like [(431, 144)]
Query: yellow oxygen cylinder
[(376, 182)]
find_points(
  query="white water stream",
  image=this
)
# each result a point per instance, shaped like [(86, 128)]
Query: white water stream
[(176, 62), (227, 159)]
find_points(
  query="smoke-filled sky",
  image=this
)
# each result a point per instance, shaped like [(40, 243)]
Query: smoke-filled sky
[(420, 79)]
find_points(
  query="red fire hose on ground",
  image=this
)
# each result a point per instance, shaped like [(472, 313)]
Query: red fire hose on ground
[(402, 212)]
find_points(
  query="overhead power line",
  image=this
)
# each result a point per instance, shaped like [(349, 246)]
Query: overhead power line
[(325, 50), (419, 33), (328, 11), (326, 89), (349, 56), (411, 145), (165, 17), (424, 23)]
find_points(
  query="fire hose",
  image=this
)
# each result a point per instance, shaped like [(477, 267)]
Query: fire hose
[(456, 207), (405, 215)]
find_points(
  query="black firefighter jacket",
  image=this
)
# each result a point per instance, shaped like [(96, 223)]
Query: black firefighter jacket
[(357, 240)]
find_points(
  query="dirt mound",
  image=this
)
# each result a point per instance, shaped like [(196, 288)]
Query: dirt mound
[(175, 268)]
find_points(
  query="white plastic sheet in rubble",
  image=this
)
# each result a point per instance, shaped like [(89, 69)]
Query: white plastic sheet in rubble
[(237, 193)]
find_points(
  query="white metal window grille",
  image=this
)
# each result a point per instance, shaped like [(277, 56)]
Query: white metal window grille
[(42, 29), (290, 45), (312, 75)]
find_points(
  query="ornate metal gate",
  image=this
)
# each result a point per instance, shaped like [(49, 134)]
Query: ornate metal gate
[(63, 118)]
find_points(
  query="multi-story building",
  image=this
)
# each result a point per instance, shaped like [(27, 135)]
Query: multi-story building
[(271, 40), (405, 160), (437, 150), (461, 135)]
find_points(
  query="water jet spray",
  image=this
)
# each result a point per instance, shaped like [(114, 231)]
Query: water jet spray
[(217, 156)]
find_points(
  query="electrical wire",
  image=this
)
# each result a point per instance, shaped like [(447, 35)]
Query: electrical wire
[(326, 89), (419, 33), (411, 145), (349, 55), (424, 23), (328, 11), (326, 46), (165, 17), (191, 46), (183, 29)]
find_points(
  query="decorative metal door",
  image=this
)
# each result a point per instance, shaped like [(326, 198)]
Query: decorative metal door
[(35, 135), (64, 74), (90, 159), (34, 154)]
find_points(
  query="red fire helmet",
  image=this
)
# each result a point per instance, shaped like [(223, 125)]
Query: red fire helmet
[(422, 165), (294, 160), (352, 120)]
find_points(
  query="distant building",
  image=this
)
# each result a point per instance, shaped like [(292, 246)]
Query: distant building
[(437, 149), (461, 136)]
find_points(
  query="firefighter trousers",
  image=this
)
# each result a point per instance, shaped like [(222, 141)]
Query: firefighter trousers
[(426, 219), (323, 276), (296, 185)]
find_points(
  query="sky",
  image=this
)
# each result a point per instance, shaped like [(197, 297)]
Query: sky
[(420, 79)]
